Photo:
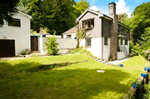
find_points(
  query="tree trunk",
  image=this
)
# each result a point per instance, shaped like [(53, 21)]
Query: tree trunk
[(78, 42)]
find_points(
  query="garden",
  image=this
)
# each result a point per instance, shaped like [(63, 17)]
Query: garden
[(63, 77)]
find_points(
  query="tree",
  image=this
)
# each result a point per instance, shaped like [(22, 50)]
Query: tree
[(145, 39), (141, 20), (121, 17), (7, 9), (56, 15), (22, 6), (44, 30), (80, 7), (81, 33)]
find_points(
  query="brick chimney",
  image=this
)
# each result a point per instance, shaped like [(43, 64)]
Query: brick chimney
[(113, 31)]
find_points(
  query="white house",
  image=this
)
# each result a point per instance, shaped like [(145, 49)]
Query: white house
[(15, 35), (106, 37)]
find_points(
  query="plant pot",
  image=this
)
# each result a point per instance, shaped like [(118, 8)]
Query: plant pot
[(43, 35)]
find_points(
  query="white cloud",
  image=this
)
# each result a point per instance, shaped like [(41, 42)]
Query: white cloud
[(94, 8), (122, 8)]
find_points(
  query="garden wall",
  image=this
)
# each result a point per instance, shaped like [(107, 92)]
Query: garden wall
[(64, 45)]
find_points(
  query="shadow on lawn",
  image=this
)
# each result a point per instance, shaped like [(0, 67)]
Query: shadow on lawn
[(60, 84)]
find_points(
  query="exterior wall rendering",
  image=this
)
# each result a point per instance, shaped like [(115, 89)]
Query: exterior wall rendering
[(95, 47), (72, 35), (21, 34), (64, 45), (96, 31)]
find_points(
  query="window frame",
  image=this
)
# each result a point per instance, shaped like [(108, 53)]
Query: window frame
[(121, 41), (105, 40), (15, 20), (87, 23), (87, 44), (126, 42)]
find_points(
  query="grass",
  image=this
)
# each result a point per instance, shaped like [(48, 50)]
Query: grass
[(75, 81), (138, 62)]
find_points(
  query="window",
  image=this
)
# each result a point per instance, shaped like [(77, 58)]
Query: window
[(88, 24), (88, 42), (14, 22), (126, 42), (121, 42), (105, 41)]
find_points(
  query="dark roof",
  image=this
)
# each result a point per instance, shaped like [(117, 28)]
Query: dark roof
[(72, 30), (123, 25)]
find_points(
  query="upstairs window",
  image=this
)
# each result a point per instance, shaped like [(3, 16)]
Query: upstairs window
[(15, 22), (88, 42), (126, 42), (105, 41), (88, 24)]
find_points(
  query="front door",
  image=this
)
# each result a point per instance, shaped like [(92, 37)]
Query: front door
[(34, 43)]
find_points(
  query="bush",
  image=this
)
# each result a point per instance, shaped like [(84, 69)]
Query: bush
[(51, 46), (147, 93), (23, 52)]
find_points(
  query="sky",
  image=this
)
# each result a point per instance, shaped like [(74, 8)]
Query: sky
[(123, 6)]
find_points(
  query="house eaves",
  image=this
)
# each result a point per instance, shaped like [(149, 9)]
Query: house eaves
[(88, 10), (119, 23), (25, 14), (107, 17)]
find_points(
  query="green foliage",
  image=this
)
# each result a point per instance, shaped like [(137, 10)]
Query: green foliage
[(33, 32), (147, 93), (44, 30), (7, 7), (145, 39), (121, 17), (80, 7), (56, 15), (142, 44), (51, 46), (81, 33), (141, 20), (23, 52)]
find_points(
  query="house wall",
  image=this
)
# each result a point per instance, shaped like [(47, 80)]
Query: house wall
[(96, 31), (124, 50), (106, 50), (95, 48), (106, 28), (21, 35), (73, 35), (64, 45)]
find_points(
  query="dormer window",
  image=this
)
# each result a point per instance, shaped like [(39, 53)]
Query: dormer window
[(14, 22), (88, 24)]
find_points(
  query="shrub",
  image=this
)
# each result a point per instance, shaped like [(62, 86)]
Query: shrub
[(51, 46), (147, 93), (23, 52)]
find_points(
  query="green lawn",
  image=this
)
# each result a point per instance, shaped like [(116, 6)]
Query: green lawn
[(136, 62), (75, 81)]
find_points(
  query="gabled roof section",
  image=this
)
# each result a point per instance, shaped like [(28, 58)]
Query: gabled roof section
[(88, 10), (123, 25), (25, 14), (72, 30)]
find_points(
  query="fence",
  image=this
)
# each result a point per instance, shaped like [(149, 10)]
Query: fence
[(64, 45)]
